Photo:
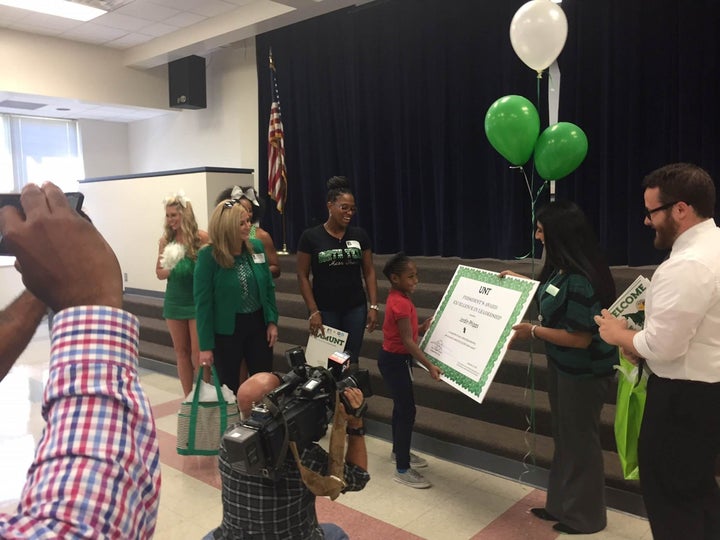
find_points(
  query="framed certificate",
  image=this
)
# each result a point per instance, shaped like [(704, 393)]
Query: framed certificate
[(472, 327)]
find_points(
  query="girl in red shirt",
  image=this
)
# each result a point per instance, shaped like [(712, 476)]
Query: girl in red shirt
[(400, 336)]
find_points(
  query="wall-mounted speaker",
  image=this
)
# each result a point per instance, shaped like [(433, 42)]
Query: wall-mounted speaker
[(186, 77)]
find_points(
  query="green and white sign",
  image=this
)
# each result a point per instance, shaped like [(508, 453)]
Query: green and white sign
[(631, 303), (472, 327)]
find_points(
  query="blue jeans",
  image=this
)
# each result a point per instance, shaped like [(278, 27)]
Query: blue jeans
[(330, 530), (333, 532), (395, 371), (351, 321)]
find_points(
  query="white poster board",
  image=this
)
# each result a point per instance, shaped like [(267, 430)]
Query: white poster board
[(321, 347), (472, 327)]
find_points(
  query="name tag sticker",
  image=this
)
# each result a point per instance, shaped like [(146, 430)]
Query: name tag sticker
[(353, 244), (258, 258), (552, 290)]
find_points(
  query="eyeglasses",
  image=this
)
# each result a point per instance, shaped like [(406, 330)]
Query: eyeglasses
[(230, 203), (347, 208), (649, 213)]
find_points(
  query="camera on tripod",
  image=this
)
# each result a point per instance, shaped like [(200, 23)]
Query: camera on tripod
[(298, 410)]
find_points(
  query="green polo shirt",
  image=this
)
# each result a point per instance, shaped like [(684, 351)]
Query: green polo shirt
[(568, 302)]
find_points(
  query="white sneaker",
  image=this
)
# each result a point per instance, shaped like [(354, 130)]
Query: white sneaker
[(411, 478), (416, 462)]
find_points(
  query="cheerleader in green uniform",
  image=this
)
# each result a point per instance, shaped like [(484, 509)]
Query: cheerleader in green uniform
[(177, 254)]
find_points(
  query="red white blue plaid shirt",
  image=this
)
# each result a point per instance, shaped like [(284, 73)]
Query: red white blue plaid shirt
[(96, 472)]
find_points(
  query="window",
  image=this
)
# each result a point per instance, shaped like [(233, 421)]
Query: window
[(7, 183), (39, 150)]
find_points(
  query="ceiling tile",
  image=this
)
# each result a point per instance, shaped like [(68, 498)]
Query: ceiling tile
[(8, 14), (183, 5), (33, 29), (158, 29), (184, 19), (124, 22), (94, 33), (48, 21), (212, 8), (209, 8), (129, 40), (147, 10)]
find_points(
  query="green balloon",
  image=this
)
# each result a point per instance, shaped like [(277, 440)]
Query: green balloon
[(560, 150), (512, 125)]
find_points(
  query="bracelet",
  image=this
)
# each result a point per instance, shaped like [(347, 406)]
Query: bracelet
[(355, 431), (313, 314), (375, 307), (532, 331)]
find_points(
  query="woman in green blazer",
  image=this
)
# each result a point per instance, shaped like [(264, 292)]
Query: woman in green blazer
[(234, 297)]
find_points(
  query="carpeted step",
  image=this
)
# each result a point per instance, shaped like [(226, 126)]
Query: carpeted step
[(158, 352), (143, 306), (155, 331)]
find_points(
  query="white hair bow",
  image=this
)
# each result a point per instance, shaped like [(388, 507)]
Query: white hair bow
[(249, 194), (179, 197)]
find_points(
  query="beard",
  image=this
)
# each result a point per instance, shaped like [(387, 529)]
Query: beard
[(665, 234)]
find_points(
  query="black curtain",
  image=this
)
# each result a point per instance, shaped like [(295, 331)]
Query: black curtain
[(393, 94)]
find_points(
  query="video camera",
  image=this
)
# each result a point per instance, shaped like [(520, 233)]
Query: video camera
[(298, 410)]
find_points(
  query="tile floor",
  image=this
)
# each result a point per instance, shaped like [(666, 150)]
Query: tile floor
[(463, 503)]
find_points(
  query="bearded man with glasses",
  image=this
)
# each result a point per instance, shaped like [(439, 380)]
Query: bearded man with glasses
[(680, 435)]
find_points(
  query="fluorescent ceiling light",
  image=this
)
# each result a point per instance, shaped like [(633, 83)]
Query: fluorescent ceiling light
[(59, 8)]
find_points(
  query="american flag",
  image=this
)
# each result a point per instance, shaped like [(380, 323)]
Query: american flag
[(277, 174)]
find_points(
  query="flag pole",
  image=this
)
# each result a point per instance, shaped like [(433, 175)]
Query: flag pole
[(284, 250)]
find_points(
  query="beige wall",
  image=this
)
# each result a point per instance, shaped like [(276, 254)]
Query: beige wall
[(10, 281), (104, 147), (130, 215), (222, 135), (47, 66)]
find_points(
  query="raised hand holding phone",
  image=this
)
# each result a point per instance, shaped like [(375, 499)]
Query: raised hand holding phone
[(75, 200), (63, 259)]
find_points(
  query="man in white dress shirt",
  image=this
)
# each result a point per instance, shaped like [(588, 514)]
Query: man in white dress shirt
[(680, 435)]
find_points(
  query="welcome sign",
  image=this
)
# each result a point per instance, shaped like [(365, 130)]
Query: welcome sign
[(630, 305)]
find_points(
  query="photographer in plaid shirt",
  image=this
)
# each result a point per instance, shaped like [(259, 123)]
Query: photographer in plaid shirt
[(259, 508), (96, 471)]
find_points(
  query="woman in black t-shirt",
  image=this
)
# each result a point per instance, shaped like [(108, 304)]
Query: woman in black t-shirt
[(339, 257)]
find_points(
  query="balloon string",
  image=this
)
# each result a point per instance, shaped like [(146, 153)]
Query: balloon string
[(533, 203), (529, 435), (533, 200)]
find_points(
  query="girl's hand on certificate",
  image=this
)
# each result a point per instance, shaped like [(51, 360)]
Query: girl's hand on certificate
[(435, 372), (513, 274)]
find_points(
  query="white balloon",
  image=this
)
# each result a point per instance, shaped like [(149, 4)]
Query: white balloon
[(538, 32)]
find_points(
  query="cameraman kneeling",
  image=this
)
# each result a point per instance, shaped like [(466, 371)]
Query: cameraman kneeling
[(257, 507)]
